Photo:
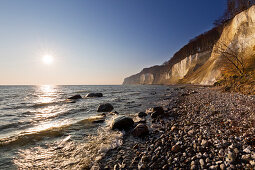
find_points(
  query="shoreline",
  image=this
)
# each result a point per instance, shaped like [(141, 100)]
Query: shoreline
[(204, 129)]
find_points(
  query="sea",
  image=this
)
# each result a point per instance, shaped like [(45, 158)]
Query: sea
[(41, 129)]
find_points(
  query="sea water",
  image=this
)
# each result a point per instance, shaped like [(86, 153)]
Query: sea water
[(39, 128)]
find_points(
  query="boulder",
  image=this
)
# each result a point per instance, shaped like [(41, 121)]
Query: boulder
[(107, 107), (156, 111), (140, 130), (122, 123), (98, 121), (94, 95), (75, 97), (142, 114)]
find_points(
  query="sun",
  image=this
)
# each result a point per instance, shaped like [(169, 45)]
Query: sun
[(48, 59)]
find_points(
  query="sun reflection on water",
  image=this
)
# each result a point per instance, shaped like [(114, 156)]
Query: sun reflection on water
[(47, 94)]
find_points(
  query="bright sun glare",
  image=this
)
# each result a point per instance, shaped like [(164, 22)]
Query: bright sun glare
[(48, 59)]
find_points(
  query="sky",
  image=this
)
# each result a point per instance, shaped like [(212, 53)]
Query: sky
[(95, 41)]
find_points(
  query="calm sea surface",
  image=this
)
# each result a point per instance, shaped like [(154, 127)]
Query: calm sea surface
[(40, 129)]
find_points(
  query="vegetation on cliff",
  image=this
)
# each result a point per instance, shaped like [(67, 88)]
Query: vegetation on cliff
[(238, 71), (238, 83), (234, 7)]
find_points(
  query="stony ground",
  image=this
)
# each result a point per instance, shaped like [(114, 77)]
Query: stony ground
[(204, 128)]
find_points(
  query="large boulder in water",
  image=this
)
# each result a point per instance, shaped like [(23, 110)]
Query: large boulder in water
[(107, 107), (75, 97), (122, 123), (140, 130), (94, 95), (141, 114)]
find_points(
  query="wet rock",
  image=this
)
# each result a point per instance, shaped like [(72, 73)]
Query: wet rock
[(107, 107), (156, 111), (94, 95), (142, 121), (75, 97), (122, 123), (98, 121), (140, 130), (142, 114)]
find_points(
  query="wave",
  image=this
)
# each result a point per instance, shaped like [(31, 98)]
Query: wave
[(68, 154), (33, 136), (13, 125), (39, 105)]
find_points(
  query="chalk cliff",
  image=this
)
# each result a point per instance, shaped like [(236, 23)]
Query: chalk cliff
[(203, 66)]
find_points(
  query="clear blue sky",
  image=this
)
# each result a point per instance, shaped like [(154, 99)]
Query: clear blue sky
[(95, 41)]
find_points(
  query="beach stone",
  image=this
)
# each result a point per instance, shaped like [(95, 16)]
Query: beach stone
[(142, 114), (140, 130), (222, 166), (230, 157), (176, 148), (95, 167), (156, 111), (122, 123), (141, 166), (247, 150), (246, 157), (75, 97), (213, 167), (252, 162), (202, 163), (116, 167), (191, 132), (94, 95), (98, 121), (173, 128), (192, 167), (107, 107), (204, 143)]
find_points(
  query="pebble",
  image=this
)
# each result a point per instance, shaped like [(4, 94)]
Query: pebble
[(230, 157), (202, 163), (173, 128), (222, 166), (209, 140), (176, 148), (191, 132), (204, 143)]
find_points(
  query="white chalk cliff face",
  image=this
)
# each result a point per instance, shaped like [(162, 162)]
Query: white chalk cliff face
[(146, 78), (204, 68)]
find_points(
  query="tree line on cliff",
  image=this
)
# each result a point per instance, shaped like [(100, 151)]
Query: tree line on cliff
[(234, 7), (206, 41)]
